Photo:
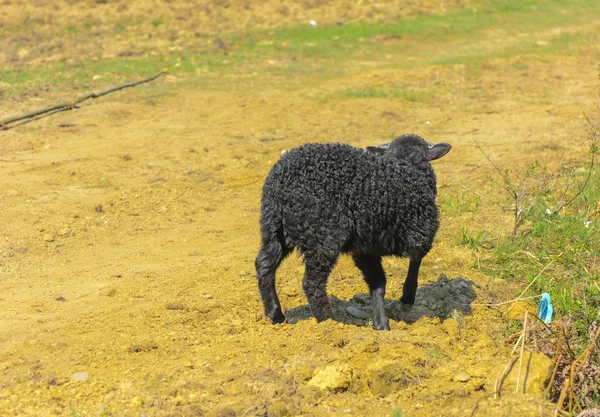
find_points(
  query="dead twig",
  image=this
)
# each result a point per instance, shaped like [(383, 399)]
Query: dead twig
[(553, 377), (500, 379), (4, 124), (475, 407), (464, 186), (498, 304), (522, 351), (9, 242), (33, 119)]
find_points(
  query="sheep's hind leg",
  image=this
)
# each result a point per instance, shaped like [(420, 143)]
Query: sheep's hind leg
[(374, 275), (409, 290), (268, 260), (314, 284)]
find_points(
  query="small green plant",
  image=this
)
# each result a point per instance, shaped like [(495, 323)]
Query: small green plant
[(157, 22), (71, 29), (74, 412), (398, 413), (474, 240), (370, 92), (120, 26), (453, 204)]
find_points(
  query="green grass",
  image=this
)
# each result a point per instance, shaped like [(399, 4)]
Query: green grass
[(157, 22), (399, 93), (569, 239), (453, 204), (447, 39), (474, 240)]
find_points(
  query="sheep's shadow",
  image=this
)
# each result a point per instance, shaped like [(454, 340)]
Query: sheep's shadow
[(436, 299)]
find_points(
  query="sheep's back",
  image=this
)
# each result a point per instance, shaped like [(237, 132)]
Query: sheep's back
[(340, 192)]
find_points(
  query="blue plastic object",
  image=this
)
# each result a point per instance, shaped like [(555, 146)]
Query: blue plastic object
[(545, 310)]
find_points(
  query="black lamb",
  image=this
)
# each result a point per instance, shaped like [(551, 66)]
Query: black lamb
[(328, 199)]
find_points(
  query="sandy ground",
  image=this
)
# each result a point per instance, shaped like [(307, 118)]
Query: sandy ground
[(130, 226)]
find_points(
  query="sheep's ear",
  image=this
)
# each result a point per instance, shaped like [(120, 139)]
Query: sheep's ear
[(376, 150), (437, 151)]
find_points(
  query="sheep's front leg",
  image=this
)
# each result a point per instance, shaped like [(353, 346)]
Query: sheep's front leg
[(412, 280), (374, 275), (314, 284)]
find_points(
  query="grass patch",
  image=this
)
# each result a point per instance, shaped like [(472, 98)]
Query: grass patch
[(397, 93), (446, 39), (474, 240), (157, 22), (570, 239), (453, 204)]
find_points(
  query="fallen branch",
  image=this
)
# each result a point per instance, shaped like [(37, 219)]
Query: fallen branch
[(71, 104)]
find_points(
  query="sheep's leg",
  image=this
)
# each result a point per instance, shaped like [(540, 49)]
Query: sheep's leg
[(268, 260), (374, 275), (412, 280), (315, 282)]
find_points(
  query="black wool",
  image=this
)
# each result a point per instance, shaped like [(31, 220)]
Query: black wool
[(327, 199)]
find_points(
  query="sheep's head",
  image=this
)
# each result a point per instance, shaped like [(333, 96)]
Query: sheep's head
[(412, 148)]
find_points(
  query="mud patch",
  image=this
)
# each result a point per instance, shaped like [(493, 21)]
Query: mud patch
[(442, 299)]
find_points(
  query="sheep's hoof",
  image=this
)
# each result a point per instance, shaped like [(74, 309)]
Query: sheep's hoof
[(278, 318), (407, 300), (382, 326)]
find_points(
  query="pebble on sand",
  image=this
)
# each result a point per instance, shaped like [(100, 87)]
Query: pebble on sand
[(48, 237), (80, 376), (462, 377), (359, 314)]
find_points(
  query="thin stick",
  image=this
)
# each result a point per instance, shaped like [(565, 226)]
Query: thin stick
[(563, 394), (517, 344), (69, 105), (536, 277), (498, 304), (547, 390), (542, 321), (522, 352), (511, 190), (33, 119), (499, 380), (474, 409), (463, 186)]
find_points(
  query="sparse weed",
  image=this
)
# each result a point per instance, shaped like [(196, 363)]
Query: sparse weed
[(157, 22), (120, 26), (407, 95), (74, 412), (456, 204), (474, 240), (398, 413)]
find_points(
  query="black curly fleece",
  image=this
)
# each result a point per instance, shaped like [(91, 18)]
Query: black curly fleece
[(325, 199)]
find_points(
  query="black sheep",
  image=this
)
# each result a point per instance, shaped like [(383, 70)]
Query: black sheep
[(328, 199)]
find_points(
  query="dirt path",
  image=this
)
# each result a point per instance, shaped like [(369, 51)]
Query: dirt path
[(130, 227), (129, 236)]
